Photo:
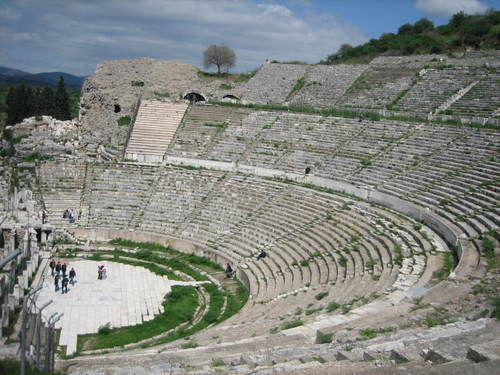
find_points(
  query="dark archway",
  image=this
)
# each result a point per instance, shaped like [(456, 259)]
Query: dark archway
[(194, 97), (118, 109)]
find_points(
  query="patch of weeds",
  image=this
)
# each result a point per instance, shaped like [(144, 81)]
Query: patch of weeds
[(321, 295), (225, 86), (123, 121), (137, 83), (489, 253), (217, 363), (293, 324), (445, 270), (189, 345), (417, 226), (304, 263), (324, 338), (332, 306)]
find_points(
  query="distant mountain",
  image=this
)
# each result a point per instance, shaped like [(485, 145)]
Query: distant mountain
[(14, 77)]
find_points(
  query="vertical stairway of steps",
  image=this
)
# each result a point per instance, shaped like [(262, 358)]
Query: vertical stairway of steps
[(196, 211), (180, 128), (154, 128), (137, 218), (234, 116), (85, 198)]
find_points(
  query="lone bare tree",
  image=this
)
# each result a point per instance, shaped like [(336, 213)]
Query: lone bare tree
[(221, 56)]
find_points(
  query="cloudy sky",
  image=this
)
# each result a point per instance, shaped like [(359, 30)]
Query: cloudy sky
[(75, 35)]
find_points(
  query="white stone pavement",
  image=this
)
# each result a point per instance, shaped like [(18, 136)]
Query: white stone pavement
[(128, 296)]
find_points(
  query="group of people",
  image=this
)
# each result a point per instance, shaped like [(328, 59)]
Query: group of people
[(69, 214), (58, 271)]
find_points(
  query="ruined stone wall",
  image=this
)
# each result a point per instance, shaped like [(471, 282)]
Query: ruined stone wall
[(123, 82)]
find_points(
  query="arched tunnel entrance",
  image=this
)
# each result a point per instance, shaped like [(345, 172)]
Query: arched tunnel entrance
[(195, 97)]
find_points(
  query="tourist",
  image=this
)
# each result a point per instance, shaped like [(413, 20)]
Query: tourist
[(52, 265), (63, 269), (66, 214), (229, 271), (72, 275), (56, 282), (44, 217), (262, 254), (58, 268), (64, 288), (101, 272), (308, 170)]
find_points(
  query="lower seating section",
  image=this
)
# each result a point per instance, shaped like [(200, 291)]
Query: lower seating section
[(60, 187), (312, 238), (178, 193)]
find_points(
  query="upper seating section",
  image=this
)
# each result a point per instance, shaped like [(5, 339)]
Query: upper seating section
[(384, 154), (435, 86), (273, 83), (324, 84)]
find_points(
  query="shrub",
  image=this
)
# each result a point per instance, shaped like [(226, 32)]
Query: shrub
[(225, 86), (124, 120), (104, 329), (137, 83)]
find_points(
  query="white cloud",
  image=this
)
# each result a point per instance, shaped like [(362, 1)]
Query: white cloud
[(447, 8), (74, 36)]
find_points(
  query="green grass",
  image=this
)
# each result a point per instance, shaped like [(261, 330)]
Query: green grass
[(297, 87), (332, 306), (179, 307), (448, 263), (324, 338), (162, 94), (321, 295), (123, 121), (137, 83), (489, 253), (292, 324), (225, 86)]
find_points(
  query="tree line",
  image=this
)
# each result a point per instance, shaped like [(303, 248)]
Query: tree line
[(25, 101), (462, 32)]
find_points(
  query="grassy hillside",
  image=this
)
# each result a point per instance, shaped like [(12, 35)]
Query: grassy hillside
[(462, 32)]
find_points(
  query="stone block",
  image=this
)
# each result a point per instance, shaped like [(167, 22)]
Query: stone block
[(484, 352)]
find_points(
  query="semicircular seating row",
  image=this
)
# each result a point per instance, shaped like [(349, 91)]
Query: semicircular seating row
[(312, 238)]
